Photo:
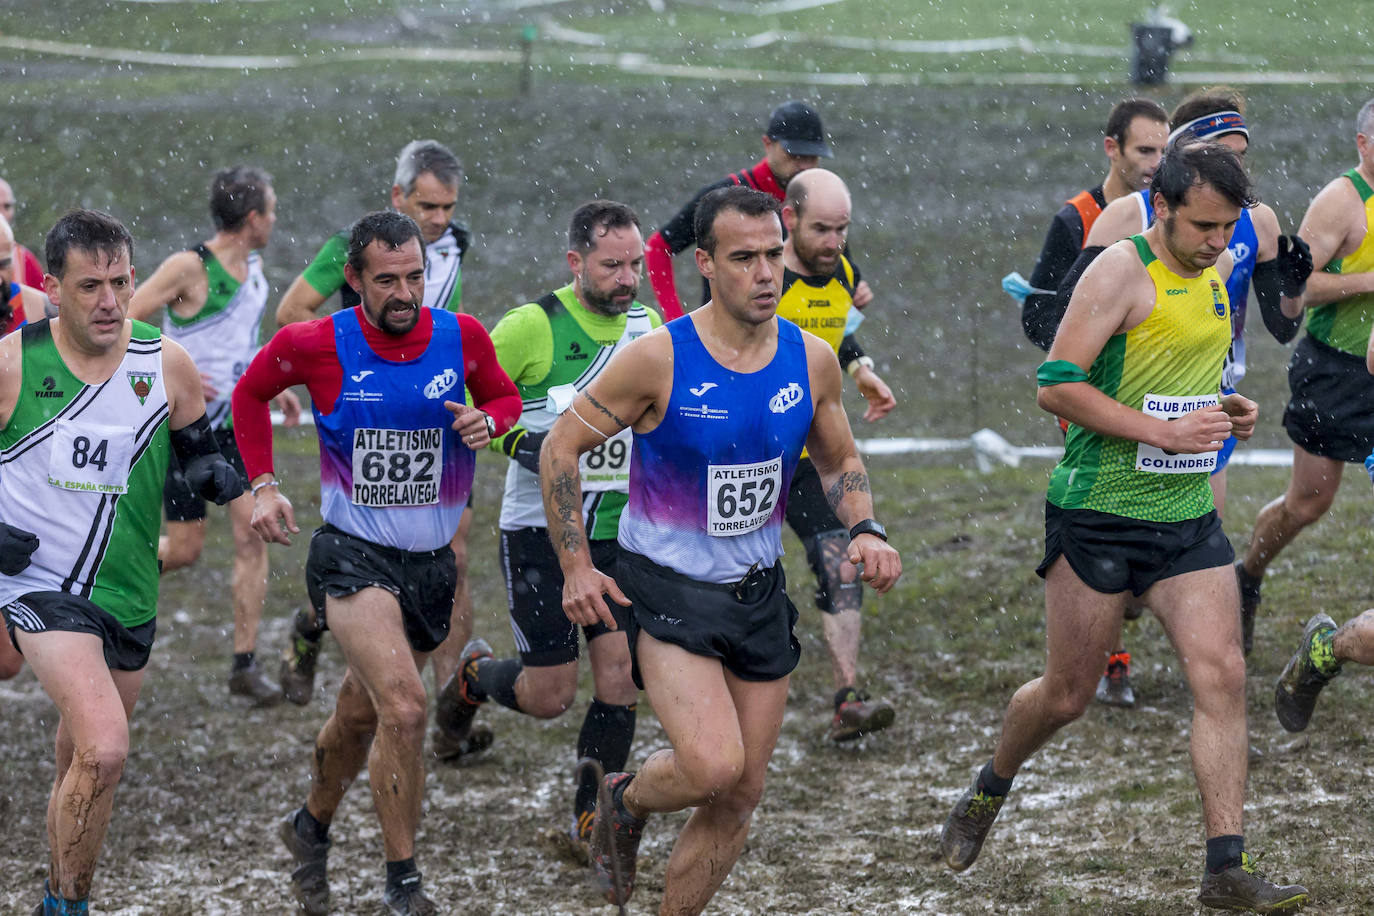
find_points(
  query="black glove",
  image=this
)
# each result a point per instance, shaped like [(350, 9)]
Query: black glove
[(213, 478), (523, 447), (16, 546), (1295, 265)]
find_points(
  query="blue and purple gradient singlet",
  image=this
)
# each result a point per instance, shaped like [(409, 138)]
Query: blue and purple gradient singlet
[(708, 486)]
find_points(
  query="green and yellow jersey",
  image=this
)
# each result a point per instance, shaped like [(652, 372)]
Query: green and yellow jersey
[(1346, 325)]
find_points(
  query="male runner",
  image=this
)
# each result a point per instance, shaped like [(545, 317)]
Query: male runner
[(29, 272), (552, 349), (19, 302), (793, 142), (1328, 417), (91, 406), (717, 438), (817, 295), (215, 295), (1129, 512), (397, 438), (1134, 143), (1277, 265), (425, 188)]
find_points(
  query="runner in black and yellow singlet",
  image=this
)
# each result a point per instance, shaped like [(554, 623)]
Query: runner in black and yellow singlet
[(1136, 369), (819, 283), (1328, 416)]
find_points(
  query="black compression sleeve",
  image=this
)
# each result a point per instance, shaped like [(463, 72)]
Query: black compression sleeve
[(1267, 283), (849, 350), (1040, 315)]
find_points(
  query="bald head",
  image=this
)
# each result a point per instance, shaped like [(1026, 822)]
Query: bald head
[(816, 216), (7, 272), (6, 201)]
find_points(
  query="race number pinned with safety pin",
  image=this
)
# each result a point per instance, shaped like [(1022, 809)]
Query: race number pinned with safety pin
[(741, 497), (90, 457), (605, 467), (1162, 461)]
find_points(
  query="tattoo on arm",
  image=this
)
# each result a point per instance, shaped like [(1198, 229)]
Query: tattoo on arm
[(567, 501), (849, 482), (604, 409)]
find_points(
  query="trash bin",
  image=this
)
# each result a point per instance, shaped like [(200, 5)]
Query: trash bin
[(1150, 61)]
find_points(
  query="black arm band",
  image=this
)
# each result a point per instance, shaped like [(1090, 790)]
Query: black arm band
[(1267, 282), (194, 440), (849, 350), (511, 441)]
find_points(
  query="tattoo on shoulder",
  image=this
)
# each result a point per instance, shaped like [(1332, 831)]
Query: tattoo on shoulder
[(849, 482), (606, 410)]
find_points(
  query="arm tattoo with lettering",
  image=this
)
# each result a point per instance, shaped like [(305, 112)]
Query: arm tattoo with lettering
[(604, 409), (567, 502), (849, 482)]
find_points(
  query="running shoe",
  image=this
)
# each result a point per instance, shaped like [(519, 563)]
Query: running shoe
[(1244, 887), (625, 831), (448, 747), (455, 707), (1249, 603), (251, 682), (308, 880), (1115, 687), (409, 899), (1295, 694), (968, 826), (574, 842), (297, 674), (856, 716)]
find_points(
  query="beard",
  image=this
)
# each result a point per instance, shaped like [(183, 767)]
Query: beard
[(811, 259), (606, 303), (396, 317)]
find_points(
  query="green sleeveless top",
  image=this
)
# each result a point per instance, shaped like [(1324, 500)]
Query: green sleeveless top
[(1345, 325)]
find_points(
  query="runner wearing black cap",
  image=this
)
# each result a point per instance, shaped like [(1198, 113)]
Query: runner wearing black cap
[(793, 142)]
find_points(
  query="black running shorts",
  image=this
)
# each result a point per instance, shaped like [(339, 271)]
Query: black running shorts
[(1112, 554), (1330, 412), (544, 635), (126, 648), (340, 565), (179, 502), (747, 625)]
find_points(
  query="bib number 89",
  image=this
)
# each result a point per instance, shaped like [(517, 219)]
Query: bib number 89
[(609, 455)]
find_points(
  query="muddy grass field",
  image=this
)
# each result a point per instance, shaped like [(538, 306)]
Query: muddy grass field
[(953, 188)]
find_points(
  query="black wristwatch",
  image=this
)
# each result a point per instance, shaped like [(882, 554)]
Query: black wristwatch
[(868, 526), (491, 425)]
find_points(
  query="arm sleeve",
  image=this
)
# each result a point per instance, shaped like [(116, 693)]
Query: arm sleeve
[(492, 390), (1267, 290), (325, 274), (1063, 244), (298, 354), (33, 271), (658, 264), (849, 350)]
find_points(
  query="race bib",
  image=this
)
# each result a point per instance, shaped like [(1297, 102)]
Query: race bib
[(1158, 460), (397, 467), (89, 457), (607, 467), (741, 497)]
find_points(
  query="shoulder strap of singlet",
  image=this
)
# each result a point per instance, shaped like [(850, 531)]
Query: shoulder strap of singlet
[(204, 253), (1088, 209), (549, 303), (35, 332), (1360, 184), (462, 236), (1142, 248), (848, 273), (744, 177)]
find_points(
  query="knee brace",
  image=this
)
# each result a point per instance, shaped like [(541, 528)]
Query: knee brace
[(837, 580)]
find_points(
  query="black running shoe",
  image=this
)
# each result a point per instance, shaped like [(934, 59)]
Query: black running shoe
[(1249, 603), (297, 672), (308, 880), (1243, 887), (968, 826), (408, 898), (858, 715), (252, 682), (1295, 694), (623, 833)]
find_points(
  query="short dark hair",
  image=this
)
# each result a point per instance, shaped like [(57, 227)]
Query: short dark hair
[(1205, 102), (421, 156), (236, 192), (385, 226), (742, 200), (598, 216), (1198, 163), (92, 231), (1127, 110)]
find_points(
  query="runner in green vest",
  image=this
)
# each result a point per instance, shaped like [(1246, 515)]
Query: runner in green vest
[(92, 407), (552, 349)]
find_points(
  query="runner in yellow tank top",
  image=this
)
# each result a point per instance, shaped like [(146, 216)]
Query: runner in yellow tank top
[(819, 284), (1138, 376), (1328, 417)]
